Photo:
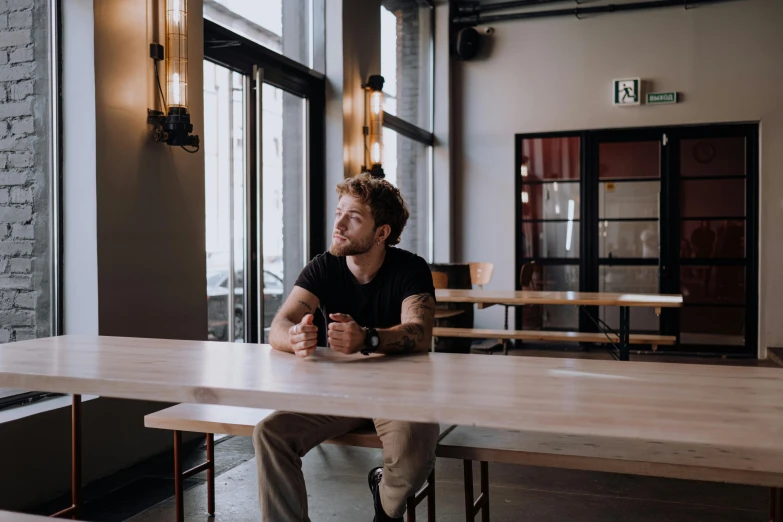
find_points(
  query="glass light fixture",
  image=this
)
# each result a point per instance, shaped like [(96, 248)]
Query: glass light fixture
[(177, 54), (174, 125), (374, 126)]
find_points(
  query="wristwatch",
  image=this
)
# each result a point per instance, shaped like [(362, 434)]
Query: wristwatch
[(371, 341)]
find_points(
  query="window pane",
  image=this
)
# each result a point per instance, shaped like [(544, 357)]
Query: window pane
[(225, 201), (550, 200), (634, 280), (713, 157), (629, 199), (550, 159), (712, 325), (712, 198), (713, 284), (637, 159), (708, 239), (283, 26), (628, 239), (556, 279), (406, 63), (550, 240), (407, 166), (284, 146)]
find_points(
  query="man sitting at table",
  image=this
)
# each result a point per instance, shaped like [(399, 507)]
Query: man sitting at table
[(375, 298)]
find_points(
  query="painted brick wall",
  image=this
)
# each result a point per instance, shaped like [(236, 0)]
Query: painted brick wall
[(24, 170)]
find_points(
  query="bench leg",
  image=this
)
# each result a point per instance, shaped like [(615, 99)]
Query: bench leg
[(485, 491), (776, 505), (468, 469), (211, 474), (178, 478), (427, 491), (481, 504), (431, 497)]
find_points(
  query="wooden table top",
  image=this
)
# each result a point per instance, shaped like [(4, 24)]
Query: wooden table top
[(557, 298), (717, 405)]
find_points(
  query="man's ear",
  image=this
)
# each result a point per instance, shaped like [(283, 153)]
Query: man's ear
[(382, 233)]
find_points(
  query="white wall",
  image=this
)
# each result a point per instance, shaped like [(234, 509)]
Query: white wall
[(555, 74)]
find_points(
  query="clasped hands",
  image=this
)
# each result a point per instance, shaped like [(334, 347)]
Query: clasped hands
[(344, 335)]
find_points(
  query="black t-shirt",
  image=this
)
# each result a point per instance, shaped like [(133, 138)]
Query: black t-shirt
[(378, 304)]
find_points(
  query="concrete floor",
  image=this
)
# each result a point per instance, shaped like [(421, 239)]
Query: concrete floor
[(337, 490)]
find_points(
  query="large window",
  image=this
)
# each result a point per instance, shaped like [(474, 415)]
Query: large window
[(30, 201), (224, 158), (264, 211), (406, 65), (282, 26)]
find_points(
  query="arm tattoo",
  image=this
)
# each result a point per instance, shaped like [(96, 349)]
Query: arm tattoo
[(416, 327), (404, 345), (309, 308)]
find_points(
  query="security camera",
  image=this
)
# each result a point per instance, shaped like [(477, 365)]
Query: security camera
[(489, 30)]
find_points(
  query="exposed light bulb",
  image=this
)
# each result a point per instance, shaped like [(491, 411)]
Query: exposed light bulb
[(376, 102)]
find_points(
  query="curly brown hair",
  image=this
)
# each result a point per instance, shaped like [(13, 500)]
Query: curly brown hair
[(386, 203)]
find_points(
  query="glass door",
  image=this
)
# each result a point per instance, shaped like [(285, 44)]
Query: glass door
[(628, 226), (715, 228), (224, 157), (283, 210), (548, 201)]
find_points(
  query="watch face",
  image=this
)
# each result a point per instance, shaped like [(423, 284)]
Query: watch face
[(375, 340)]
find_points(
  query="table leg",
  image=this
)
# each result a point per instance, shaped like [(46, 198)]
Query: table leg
[(179, 488), (625, 336), (776, 505), (76, 461)]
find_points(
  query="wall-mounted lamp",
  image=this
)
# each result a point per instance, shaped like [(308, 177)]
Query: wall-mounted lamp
[(174, 127), (373, 126)]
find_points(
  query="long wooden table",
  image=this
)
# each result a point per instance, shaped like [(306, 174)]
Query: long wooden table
[(726, 406), (733, 411), (486, 298)]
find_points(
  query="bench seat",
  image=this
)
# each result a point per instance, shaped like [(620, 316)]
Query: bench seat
[(550, 336)]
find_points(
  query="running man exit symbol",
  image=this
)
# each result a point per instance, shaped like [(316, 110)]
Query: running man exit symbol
[(626, 92)]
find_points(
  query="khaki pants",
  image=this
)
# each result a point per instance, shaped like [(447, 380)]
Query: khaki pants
[(283, 438)]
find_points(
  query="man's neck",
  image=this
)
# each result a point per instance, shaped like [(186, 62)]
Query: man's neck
[(365, 267)]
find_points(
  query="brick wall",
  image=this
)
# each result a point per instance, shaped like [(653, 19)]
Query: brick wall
[(24, 170)]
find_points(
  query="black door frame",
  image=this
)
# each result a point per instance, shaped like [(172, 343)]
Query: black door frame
[(240, 54), (669, 221)]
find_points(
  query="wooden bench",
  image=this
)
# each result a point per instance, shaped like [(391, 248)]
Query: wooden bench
[(550, 336), (640, 457), (231, 420)]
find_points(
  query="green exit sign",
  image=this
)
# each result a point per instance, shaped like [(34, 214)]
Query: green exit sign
[(656, 98)]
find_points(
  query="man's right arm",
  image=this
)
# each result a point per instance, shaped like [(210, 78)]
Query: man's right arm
[(292, 329)]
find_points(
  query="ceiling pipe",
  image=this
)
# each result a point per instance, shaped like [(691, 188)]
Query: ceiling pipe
[(479, 19), (475, 8)]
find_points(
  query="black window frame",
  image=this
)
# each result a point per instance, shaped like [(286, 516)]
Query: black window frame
[(240, 54), (670, 221)]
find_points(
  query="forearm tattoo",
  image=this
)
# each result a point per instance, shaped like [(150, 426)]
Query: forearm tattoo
[(417, 322)]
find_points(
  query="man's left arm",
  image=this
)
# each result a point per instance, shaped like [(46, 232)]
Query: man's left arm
[(414, 334)]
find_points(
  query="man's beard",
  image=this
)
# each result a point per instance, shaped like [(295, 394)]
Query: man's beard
[(352, 248)]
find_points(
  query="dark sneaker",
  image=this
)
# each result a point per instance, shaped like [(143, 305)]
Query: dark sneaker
[(374, 480)]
